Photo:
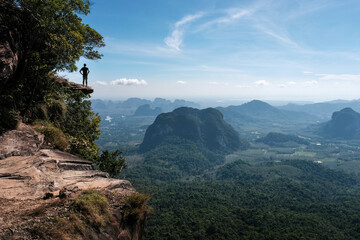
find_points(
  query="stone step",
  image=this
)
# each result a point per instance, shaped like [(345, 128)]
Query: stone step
[(75, 166)]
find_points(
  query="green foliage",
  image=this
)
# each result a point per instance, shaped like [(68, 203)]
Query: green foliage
[(82, 126), (279, 139), (8, 116), (56, 34), (53, 135), (136, 207), (94, 206), (176, 159), (48, 36), (52, 110), (112, 162), (288, 200)]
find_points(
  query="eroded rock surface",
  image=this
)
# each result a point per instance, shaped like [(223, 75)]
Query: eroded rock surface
[(23, 141), (29, 173)]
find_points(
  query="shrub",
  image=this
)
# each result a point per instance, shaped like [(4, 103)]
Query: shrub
[(94, 206), (136, 207), (53, 135), (112, 162)]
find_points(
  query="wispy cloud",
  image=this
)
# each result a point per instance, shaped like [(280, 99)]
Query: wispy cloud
[(129, 82), (291, 83), (307, 72), (346, 77), (233, 14), (181, 82), (175, 39), (230, 17), (280, 37), (101, 83)]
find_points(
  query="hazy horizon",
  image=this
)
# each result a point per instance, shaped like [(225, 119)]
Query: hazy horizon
[(223, 102)]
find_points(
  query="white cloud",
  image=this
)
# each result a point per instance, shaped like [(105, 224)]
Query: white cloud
[(101, 83), (233, 15), (262, 83), (307, 72), (181, 82), (214, 83), (291, 83), (311, 83), (187, 19), (175, 39), (128, 82), (282, 85), (348, 77)]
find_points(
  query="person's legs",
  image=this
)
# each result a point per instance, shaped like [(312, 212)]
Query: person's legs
[(85, 80)]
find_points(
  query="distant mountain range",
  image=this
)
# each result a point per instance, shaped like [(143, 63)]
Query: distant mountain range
[(206, 127), (258, 116), (130, 105), (258, 110), (344, 124), (146, 110), (323, 110)]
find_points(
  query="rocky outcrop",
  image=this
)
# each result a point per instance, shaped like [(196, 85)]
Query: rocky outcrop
[(74, 86), (23, 141), (33, 178)]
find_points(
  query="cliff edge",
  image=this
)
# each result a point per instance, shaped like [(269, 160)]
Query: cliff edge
[(39, 187)]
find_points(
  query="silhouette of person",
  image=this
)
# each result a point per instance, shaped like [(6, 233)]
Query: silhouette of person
[(85, 71)]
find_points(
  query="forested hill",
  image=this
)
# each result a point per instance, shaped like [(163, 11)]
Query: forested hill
[(206, 127), (279, 139), (260, 117), (344, 124)]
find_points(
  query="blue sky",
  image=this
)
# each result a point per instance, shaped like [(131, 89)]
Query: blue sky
[(222, 49)]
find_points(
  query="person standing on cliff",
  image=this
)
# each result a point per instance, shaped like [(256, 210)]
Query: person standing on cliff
[(85, 71)]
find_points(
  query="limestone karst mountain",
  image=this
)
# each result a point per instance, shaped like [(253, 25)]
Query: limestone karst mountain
[(206, 127), (344, 124)]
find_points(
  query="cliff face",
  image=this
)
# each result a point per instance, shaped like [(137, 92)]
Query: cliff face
[(39, 185)]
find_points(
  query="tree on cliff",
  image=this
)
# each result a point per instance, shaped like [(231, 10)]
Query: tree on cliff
[(49, 36), (112, 162), (43, 37)]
